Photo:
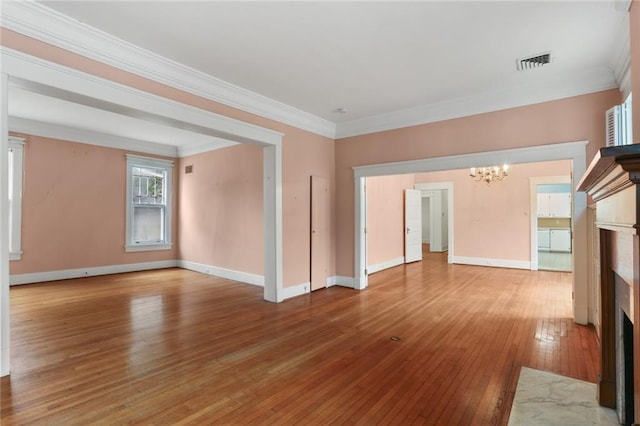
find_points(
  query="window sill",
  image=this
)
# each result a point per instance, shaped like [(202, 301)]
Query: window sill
[(15, 255), (147, 247)]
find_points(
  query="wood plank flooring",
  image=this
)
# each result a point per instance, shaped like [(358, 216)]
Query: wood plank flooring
[(177, 347)]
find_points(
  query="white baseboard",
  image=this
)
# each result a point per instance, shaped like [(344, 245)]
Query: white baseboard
[(230, 274), (372, 269), (38, 277), (340, 280), (498, 263), (296, 290)]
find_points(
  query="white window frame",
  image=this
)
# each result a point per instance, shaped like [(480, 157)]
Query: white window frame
[(16, 169), (167, 166), (628, 120)]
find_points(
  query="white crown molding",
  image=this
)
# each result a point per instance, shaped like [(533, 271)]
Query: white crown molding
[(543, 90), (23, 68), (621, 60), (623, 5), (55, 131), (42, 23)]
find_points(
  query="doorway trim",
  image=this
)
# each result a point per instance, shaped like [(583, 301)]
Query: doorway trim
[(533, 213), (21, 67), (432, 186), (575, 151)]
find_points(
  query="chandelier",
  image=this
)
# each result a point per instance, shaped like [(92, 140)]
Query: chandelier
[(489, 174)]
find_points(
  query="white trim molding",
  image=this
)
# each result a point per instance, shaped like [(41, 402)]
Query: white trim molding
[(372, 269), (50, 79), (71, 134), (42, 23), (549, 89), (16, 178), (39, 277), (229, 274), (36, 20), (496, 263), (296, 290), (5, 330), (622, 56), (341, 281)]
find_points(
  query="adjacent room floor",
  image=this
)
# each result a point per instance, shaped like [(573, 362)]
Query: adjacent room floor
[(426, 343), (554, 261)]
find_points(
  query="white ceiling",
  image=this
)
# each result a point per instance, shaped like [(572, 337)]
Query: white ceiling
[(371, 58)]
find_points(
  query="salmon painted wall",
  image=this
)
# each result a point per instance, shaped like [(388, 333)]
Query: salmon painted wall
[(220, 209), (385, 217), (304, 153), (74, 211), (634, 37), (567, 120), (493, 221)]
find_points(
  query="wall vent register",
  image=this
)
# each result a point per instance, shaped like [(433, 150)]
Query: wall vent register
[(535, 61)]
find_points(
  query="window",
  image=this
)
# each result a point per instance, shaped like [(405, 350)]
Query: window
[(148, 204), (16, 155)]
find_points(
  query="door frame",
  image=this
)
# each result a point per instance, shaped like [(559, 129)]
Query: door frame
[(439, 186), (575, 151), (430, 195), (534, 181)]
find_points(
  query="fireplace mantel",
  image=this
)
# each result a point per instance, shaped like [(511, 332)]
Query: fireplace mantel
[(613, 182)]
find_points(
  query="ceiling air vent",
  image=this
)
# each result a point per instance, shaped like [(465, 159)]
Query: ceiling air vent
[(532, 62)]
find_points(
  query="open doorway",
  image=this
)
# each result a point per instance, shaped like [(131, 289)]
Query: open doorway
[(437, 214), (551, 223), (482, 204)]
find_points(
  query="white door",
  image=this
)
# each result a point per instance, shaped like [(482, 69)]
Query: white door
[(412, 225)]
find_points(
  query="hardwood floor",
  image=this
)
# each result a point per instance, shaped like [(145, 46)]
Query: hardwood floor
[(177, 347)]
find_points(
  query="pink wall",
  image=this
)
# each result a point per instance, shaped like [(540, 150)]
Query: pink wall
[(220, 209), (567, 120), (493, 221), (385, 217), (304, 153), (73, 213), (634, 28), (303, 157)]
